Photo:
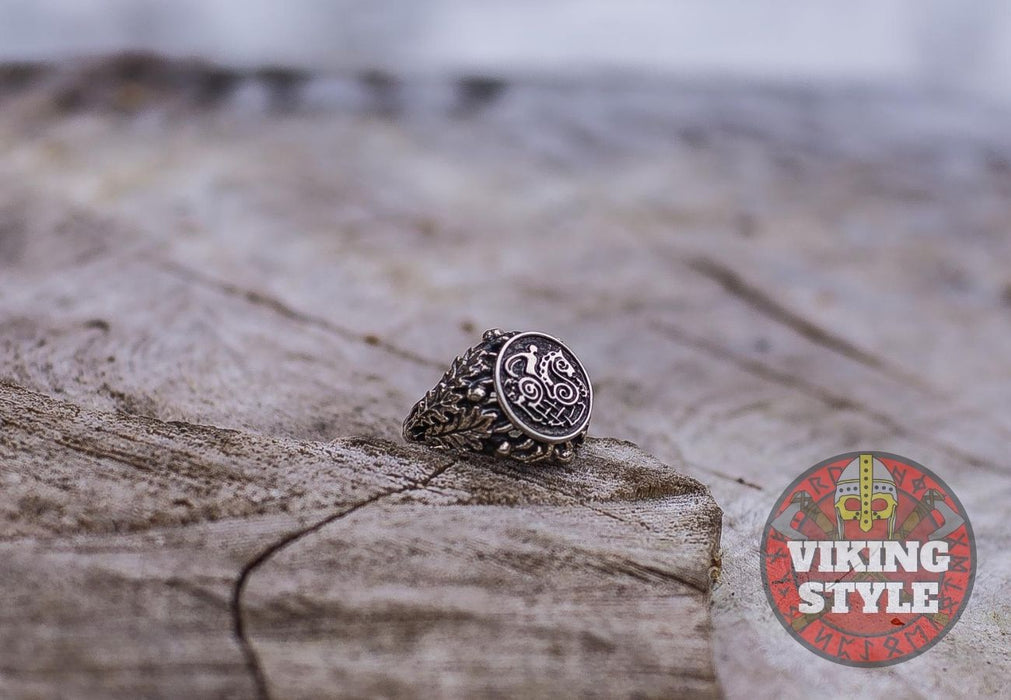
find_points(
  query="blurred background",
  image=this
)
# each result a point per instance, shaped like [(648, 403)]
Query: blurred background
[(931, 44), (773, 231)]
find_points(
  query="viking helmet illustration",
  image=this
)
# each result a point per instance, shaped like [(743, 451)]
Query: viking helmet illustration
[(865, 492)]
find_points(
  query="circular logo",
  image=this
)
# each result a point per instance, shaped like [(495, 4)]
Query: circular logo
[(542, 387), (868, 559)]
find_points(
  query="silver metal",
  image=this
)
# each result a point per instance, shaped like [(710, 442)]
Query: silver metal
[(519, 395)]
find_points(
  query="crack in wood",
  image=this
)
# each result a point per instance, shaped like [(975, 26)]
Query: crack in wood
[(701, 588), (258, 298), (645, 572), (252, 658), (735, 285), (108, 668), (829, 398), (729, 477)]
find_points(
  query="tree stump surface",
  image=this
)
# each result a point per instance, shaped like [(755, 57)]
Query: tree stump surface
[(220, 294)]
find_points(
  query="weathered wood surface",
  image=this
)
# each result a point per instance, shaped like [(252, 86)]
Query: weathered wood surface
[(167, 558), (755, 280)]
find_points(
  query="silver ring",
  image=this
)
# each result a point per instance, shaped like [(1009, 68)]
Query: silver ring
[(520, 395)]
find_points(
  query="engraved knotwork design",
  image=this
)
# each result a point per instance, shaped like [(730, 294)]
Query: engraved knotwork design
[(545, 388)]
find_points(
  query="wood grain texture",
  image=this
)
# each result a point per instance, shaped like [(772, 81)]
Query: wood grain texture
[(755, 280), (154, 558)]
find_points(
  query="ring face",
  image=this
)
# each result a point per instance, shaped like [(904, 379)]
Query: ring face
[(543, 388)]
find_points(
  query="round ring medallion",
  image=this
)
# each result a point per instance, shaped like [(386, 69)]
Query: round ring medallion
[(542, 387)]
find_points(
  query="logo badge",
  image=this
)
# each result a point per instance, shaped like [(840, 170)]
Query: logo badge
[(868, 559)]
